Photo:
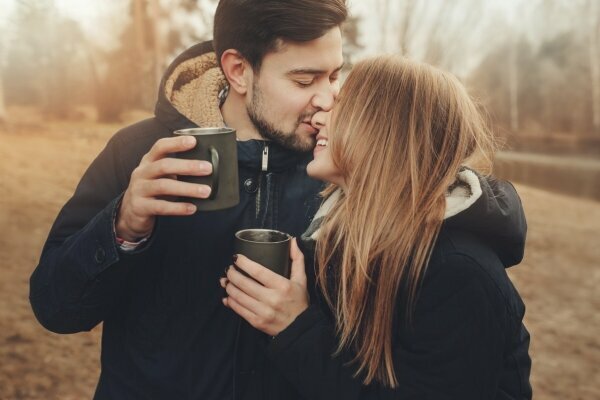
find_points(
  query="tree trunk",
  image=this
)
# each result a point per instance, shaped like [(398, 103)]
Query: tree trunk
[(2, 106), (138, 26), (513, 85), (158, 48), (384, 15), (595, 63), (407, 17), (3, 54)]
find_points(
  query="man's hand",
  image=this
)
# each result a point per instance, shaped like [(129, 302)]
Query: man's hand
[(273, 304), (156, 177)]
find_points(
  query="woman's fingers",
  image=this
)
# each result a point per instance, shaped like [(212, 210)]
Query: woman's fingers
[(260, 273), (248, 285), (246, 301)]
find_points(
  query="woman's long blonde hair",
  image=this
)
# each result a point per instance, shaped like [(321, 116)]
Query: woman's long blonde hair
[(400, 132)]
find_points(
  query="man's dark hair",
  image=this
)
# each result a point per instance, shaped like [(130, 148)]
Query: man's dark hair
[(256, 27)]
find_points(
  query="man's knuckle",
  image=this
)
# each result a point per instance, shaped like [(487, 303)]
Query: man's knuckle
[(160, 145), (141, 188), (275, 300), (270, 316), (136, 204), (160, 208), (191, 165), (135, 174), (286, 288), (161, 186), (262, 321), (162, 167)]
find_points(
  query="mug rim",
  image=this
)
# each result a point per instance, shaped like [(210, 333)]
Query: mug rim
[(216, 130), (287, 235)]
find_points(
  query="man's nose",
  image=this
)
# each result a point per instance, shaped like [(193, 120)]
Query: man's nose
[(325, 98)]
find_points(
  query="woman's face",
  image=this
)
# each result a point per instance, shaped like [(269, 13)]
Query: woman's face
[(322, 166)]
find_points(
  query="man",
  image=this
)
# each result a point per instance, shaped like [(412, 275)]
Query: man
[(122, 253)]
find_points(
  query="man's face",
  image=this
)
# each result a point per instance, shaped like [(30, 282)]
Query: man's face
[(293, 84)]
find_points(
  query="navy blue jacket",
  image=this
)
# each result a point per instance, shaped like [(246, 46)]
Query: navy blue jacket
[(467, 340), (166, 333)]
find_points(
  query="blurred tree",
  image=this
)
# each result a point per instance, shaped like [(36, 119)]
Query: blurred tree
[(129, 78), (432, 31), (594, 51), (3, 47), (550, 82), (41, 62), (2, 106), (491, 80), (383, 12), (352, 45), (540, 80), (404, 28), (154, 34)]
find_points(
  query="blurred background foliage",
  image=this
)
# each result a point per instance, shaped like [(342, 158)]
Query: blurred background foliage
[(534, 65)]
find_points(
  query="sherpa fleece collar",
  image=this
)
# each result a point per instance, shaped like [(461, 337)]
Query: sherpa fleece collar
[(460, 196), (193, 88)]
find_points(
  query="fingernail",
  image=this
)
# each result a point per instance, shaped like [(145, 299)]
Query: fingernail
[(188, 140), (191, 209), (204, 166), (204, 190)]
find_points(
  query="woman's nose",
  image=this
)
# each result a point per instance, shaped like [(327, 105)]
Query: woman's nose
[(319, 119)]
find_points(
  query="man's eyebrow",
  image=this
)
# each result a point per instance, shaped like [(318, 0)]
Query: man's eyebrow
[(312, 71)]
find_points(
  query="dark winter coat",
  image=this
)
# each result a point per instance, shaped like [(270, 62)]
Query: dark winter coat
[(166, 333), (467, 340)]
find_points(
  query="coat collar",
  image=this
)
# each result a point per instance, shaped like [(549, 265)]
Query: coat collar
[(189, 97)]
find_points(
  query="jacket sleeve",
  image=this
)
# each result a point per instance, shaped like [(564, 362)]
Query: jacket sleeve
[(454, 349), (81, 274)]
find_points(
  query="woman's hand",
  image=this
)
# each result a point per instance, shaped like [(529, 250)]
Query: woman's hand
[(273, 304)]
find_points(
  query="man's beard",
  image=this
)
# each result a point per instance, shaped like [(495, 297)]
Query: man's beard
[(288, 140)]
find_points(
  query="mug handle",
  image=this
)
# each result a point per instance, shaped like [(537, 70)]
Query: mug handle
[(214, 187)]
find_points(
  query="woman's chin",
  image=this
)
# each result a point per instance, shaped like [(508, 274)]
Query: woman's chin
[(310, 169), (313, 170)]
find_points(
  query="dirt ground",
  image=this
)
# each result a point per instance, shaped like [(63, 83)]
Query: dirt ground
[(41, 164)]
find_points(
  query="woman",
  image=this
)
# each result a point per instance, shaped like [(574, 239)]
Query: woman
[(407, 296)]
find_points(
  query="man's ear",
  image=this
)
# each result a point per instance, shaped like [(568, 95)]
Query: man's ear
[(237, 71)]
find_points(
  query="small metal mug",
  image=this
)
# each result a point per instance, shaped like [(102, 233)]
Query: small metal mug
[(219, 147), (267, 247)]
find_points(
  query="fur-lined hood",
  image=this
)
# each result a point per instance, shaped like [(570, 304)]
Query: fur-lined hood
[(189, 91), (484, 206)]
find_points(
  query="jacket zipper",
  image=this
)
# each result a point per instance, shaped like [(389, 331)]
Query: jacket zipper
[(264, 168), (265, 158)]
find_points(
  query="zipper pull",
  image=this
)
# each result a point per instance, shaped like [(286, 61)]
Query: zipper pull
[(265, 158)]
